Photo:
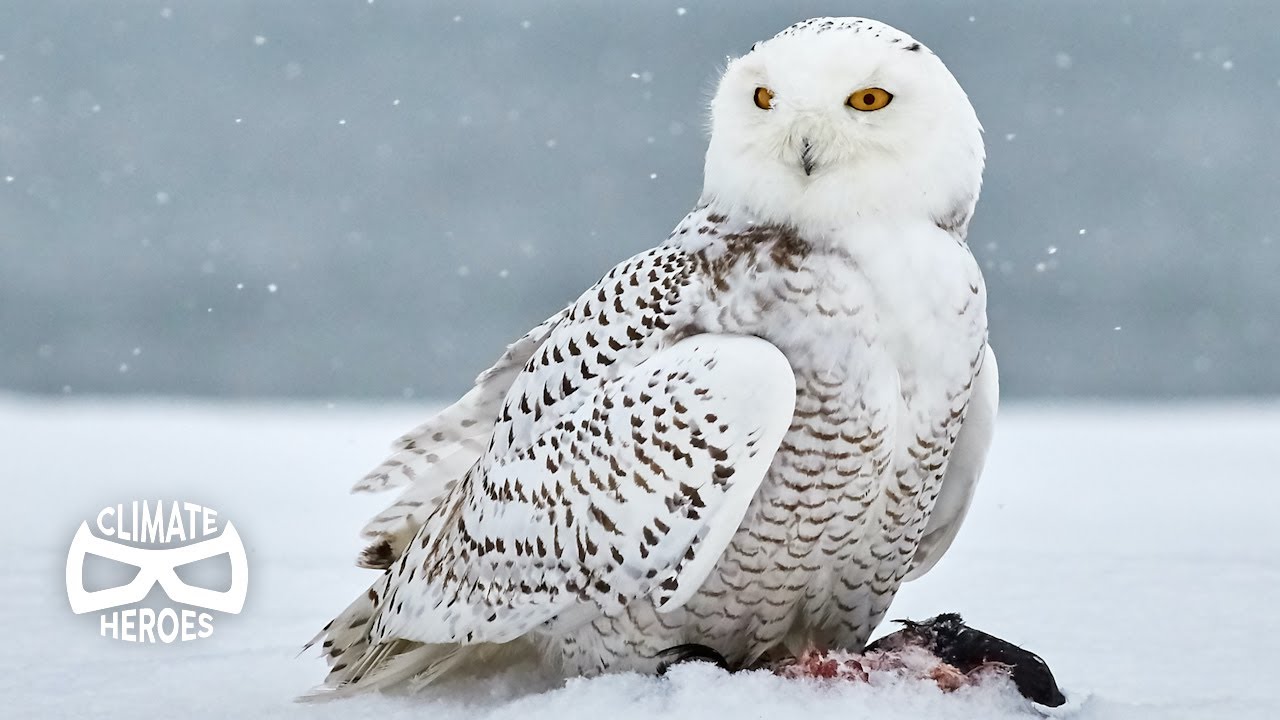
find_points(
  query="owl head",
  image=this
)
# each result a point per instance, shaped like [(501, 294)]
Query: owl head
[(836, 120)]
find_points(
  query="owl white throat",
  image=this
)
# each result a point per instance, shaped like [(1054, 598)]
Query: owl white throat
[(837, 121)]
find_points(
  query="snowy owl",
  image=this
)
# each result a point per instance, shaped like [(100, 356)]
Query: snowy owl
[(745, 438)]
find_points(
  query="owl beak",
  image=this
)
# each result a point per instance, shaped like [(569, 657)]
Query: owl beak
[(806, 158)]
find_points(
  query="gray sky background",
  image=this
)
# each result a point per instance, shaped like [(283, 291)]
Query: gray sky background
[(330, 199)]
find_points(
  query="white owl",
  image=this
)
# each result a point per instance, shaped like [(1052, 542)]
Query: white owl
[(745, 438)]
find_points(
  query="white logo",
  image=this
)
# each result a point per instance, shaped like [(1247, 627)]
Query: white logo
[(157, 539)]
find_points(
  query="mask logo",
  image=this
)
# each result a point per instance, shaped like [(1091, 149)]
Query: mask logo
[(157, 541)]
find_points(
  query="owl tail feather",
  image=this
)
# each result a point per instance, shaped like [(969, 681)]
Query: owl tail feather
[(356, 666)]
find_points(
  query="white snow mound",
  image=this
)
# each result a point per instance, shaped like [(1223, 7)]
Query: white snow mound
[(1133, 548)]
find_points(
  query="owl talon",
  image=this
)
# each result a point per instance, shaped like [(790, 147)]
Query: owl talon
[(689, 652)]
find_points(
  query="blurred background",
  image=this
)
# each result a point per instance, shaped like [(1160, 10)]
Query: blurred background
[(367, 198)]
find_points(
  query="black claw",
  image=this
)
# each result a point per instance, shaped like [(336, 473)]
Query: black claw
[(968, 649), (689, 652)]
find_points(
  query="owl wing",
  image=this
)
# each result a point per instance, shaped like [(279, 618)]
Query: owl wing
[(963, 469), (427, 461), (623, 459)]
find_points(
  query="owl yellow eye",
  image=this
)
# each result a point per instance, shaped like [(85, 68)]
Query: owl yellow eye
[(868, 99), (764, 98)]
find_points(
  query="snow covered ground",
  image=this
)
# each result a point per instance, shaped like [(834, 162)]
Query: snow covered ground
[(1134, 548)]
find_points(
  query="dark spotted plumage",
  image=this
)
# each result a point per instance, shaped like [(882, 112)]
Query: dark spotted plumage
[(625, 470)]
